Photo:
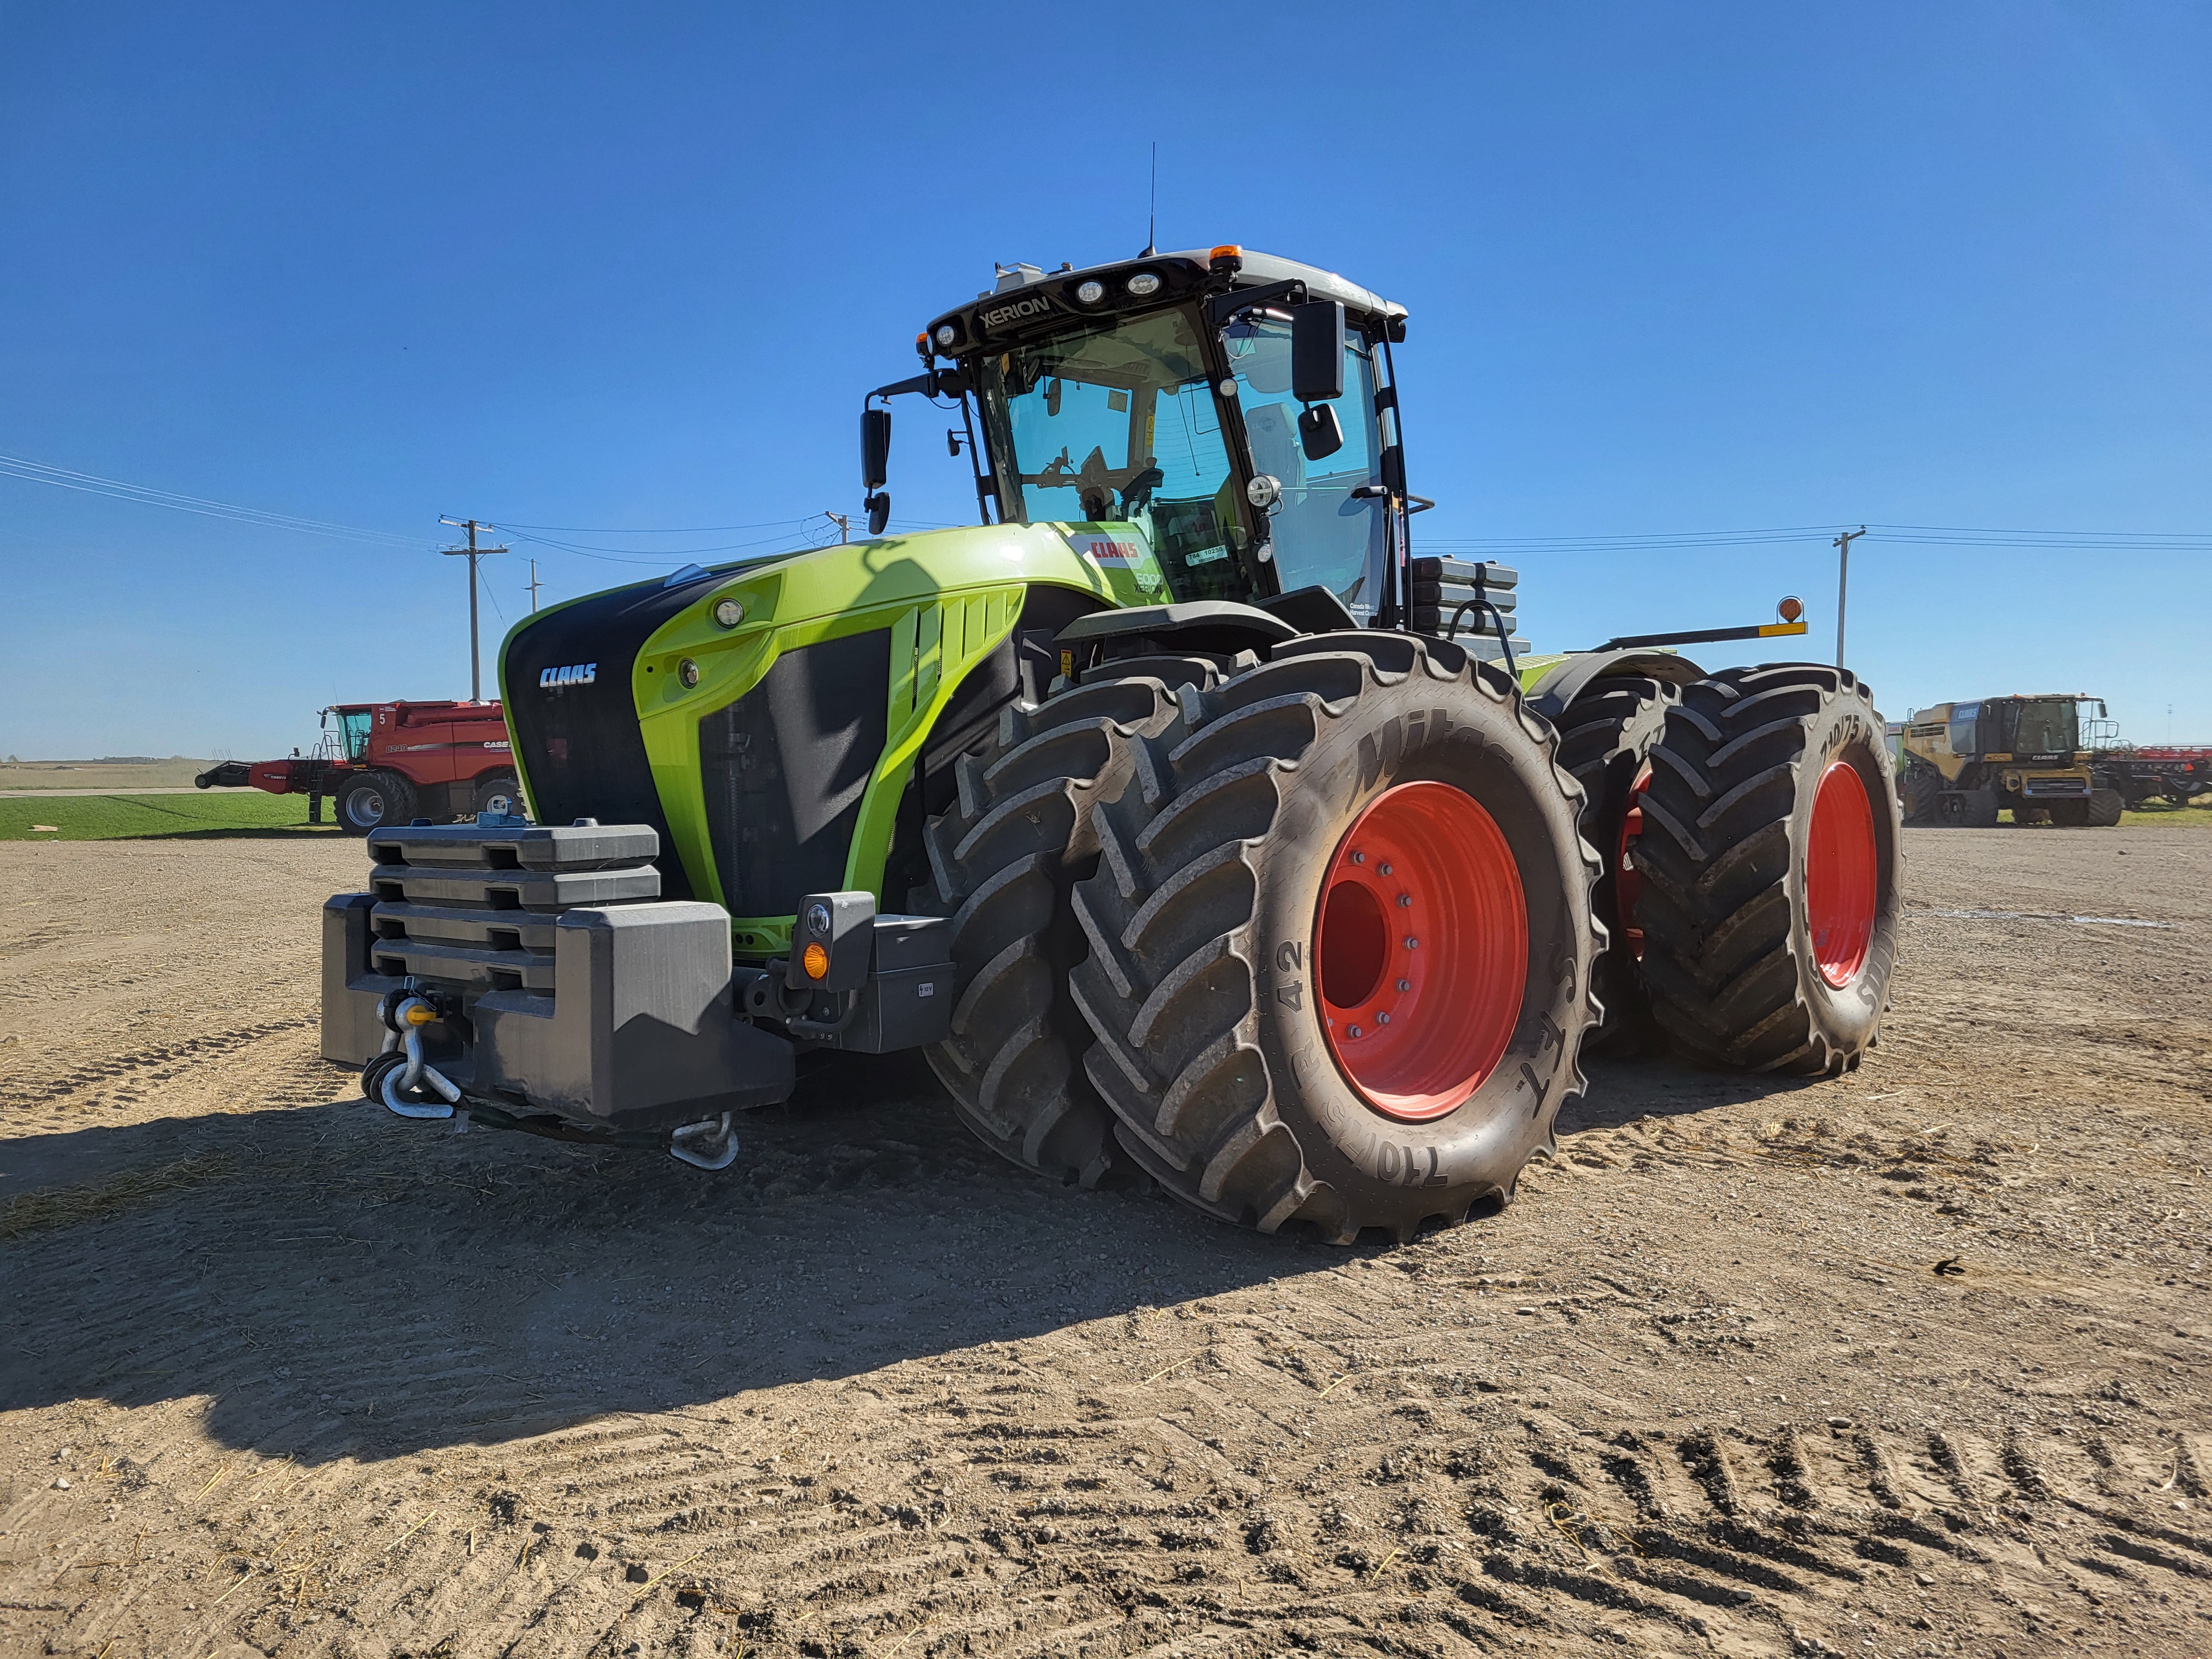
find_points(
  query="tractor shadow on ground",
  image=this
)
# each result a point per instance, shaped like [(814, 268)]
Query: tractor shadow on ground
[(1623, 1091), (333, 1280)]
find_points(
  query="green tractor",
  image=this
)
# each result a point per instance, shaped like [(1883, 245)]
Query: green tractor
[(1196, 829)]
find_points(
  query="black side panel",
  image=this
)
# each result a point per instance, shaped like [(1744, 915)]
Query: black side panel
[(579, 742), (785, 768)]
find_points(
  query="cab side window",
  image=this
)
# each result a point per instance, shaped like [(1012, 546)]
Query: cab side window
[(1962, 728)]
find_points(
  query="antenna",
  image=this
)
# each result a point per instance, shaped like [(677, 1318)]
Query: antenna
[(1152, 217)]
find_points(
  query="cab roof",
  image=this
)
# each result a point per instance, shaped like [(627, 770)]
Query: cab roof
[(1027, 299)]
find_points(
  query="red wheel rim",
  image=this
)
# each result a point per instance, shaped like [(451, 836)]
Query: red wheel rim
[(1627, 886), (1840, 879), (1420, 951)]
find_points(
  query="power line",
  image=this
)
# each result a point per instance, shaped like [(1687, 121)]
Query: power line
[(694, 530), (2102, 541), (16, 466), (472, 553)]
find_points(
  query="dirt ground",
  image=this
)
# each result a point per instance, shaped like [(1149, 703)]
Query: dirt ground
[(1910, 1362)]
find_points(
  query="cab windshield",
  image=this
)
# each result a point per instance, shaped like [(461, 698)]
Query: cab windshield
[(353, 734), (2047, 725), (1118, 423), (1319, 531)]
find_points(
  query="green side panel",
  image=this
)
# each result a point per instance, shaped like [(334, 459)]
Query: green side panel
[(949, 598), (1532, 669)]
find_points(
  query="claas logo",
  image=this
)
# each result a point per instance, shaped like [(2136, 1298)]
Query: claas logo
[(579, 673)]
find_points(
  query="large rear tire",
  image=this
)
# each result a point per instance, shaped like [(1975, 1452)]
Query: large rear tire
[(2105, 806), (1605, 739), (1002, 858), (1772, 863), (1341, 941)]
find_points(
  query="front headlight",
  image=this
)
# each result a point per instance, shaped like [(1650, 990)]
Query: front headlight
[(1144, 284), (1090, 293)]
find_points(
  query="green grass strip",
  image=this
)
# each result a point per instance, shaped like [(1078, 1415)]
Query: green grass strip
[(174, 817)]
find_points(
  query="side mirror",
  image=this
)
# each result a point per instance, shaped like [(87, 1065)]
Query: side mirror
[(875, 448), (1319, 435), (1317, 351), (1052, 394), (880, 506)]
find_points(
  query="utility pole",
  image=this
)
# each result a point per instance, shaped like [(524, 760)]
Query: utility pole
[(472, 553), (1843, 546), (533, 587), (844, 527)]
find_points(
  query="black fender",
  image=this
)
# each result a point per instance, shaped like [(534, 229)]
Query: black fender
[(1562, 683), (1220, 626)]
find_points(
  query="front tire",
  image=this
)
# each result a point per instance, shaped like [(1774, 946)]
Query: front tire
[(1920, 788), (373, 801), (2105, 806), (1002, 858), (1276, 1048), (1772, 858)]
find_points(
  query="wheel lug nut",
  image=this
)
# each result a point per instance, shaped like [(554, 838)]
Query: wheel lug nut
[(1382, 1019), (1413, 944), (1404, 986), (1359, 858), (1355, 1030), (1405, 901), (1382, 869)]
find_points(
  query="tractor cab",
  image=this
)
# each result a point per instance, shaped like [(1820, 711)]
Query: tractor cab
[(1232, 416)]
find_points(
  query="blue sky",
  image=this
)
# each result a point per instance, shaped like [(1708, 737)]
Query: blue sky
[(1671, 269)]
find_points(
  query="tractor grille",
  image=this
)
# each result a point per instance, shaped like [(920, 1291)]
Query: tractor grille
[(785, 768), (2073, 784), (579, 740), (474, 909)]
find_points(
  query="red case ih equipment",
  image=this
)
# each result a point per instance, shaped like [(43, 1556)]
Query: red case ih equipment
[(2179, 773), (392, 763)]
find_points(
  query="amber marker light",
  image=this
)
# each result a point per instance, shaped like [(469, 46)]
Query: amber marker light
[(815, 961), (1790, 608)]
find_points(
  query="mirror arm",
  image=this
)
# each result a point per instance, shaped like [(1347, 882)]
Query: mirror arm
[(921, 383), (986, 492), (1222, 307)]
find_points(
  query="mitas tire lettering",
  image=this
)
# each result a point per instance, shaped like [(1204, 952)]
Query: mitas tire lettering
[(1203, 987)]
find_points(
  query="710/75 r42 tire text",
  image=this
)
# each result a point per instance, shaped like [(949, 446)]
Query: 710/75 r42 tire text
[(1341, 941)]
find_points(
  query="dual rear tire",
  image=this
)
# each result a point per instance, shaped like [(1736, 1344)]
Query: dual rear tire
[(1772, 863)]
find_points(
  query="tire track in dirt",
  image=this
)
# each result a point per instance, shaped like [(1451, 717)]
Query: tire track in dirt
[(374, 1388)]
